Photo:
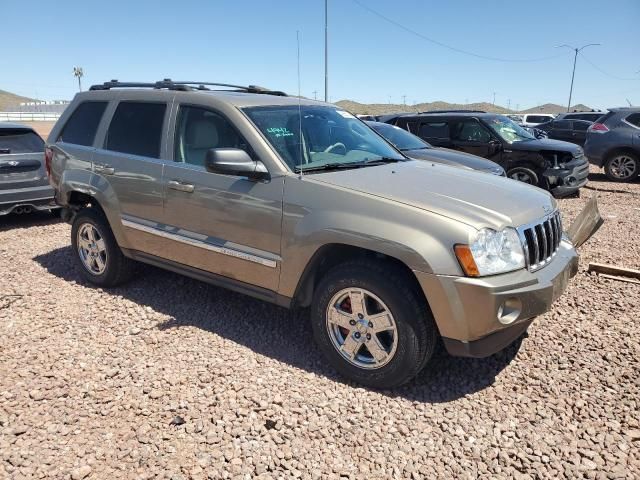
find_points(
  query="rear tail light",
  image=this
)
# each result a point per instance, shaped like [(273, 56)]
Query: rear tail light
[(598, 128), (48, 156)]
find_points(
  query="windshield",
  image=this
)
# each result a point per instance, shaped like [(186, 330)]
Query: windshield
[(402, 139), (508, 130), (310, 136)]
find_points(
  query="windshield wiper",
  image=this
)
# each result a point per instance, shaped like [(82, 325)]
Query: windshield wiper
[(338, 166)]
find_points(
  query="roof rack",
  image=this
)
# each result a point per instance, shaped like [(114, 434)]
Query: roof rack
[(169, 84), (454, 111)]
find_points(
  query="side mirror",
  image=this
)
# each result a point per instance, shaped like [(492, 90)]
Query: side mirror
[(234, 161)]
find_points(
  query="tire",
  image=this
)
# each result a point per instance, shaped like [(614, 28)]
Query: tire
[(96, 253), (408, 345), (525, 175), (622, 167)]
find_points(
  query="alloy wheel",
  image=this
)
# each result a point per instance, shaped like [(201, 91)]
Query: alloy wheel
[(362, 328), (622, 167), (92, 249)]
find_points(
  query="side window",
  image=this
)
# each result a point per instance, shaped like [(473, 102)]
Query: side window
[(634, 119), (434, 131), (136, 128), (199, 130), (581, 126), (81, 127), (471, 131), (562, 125)]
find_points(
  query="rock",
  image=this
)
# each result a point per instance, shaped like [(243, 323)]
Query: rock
[(80, 473)]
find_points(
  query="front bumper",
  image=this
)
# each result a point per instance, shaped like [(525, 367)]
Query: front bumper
[(478, 317), (569, 179), (38, 198)]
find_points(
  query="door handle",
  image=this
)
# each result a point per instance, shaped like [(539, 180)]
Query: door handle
[(103, 168), (181, 187)]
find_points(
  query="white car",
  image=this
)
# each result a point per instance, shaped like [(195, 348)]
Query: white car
[(535, 119)]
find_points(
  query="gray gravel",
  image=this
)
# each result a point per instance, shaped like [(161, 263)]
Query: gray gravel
[(171, 378)]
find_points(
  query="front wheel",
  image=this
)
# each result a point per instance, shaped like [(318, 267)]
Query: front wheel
[(523, 174), (372, 324), (622, 167)]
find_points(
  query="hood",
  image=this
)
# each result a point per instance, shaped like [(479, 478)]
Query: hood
[(454, 158), (546, 144), (475, 198)]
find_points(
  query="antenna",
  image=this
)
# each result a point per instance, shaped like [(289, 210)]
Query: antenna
[(299, 106)]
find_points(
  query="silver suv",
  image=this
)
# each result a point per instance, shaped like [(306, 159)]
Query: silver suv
[(299, 203)]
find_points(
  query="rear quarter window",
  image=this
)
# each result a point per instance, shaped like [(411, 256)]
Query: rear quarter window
[(20, 141), (634, 119), (82, 126)]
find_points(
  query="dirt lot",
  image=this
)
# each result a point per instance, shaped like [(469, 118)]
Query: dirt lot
[(167, 377)]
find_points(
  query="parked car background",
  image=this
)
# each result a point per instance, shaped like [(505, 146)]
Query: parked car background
[(535, 119), (591, 116), (557, 166), (574, 131), (415, 147), (24, 186), (613, 142)]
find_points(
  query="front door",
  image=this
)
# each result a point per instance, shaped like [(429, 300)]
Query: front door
[(470, 136), (223, 224)]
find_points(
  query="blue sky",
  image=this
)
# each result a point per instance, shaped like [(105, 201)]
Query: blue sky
[(254, 42)]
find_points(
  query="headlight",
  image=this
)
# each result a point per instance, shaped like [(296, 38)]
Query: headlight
[(491, 252)]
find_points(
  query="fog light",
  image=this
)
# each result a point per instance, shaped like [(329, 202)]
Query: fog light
[(509, 311), (571, 181)]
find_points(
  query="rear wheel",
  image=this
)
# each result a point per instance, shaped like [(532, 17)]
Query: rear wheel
[(96, 252), (372, 324), (622, 167), (525, 175)]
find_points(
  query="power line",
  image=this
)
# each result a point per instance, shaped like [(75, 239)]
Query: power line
[(604, 72), (449, 47)]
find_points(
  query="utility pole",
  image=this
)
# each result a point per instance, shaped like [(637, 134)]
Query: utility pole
[(389, 99), (326, 50), (494, 99), (404, 100), (315, 94), (78, 73), (509, 104), (575, 58)]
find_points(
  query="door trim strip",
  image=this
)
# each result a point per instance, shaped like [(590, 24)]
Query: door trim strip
[(201, 244)]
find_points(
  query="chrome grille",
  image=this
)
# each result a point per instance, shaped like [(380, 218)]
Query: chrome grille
[(541, 240)]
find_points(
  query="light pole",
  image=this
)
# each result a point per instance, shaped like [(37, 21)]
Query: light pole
[(575, 58), (78, 73), (326, 50)]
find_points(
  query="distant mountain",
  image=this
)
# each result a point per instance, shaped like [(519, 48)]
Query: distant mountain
[(555, 109), (382, 108), (8, 100)]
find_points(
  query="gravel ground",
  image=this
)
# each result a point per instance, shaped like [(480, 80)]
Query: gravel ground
[(171, 378)]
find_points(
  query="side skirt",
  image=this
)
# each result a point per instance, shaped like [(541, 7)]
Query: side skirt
[(211, 278)]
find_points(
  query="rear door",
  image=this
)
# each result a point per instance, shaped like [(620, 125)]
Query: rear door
[(579, 131), (21, 159), (131, 160), (224, 224), (434, 131), (561, 130)]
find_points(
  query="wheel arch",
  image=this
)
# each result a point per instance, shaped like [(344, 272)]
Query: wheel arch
[(331, 255)]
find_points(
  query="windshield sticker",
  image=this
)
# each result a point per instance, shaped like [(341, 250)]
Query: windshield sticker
[(279, 132), (344, 114)]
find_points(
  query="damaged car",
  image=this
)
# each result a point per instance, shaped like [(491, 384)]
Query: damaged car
[(557, 166)]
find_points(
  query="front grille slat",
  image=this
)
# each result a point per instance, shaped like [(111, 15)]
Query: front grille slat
[(545, 244), (541, 240)]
